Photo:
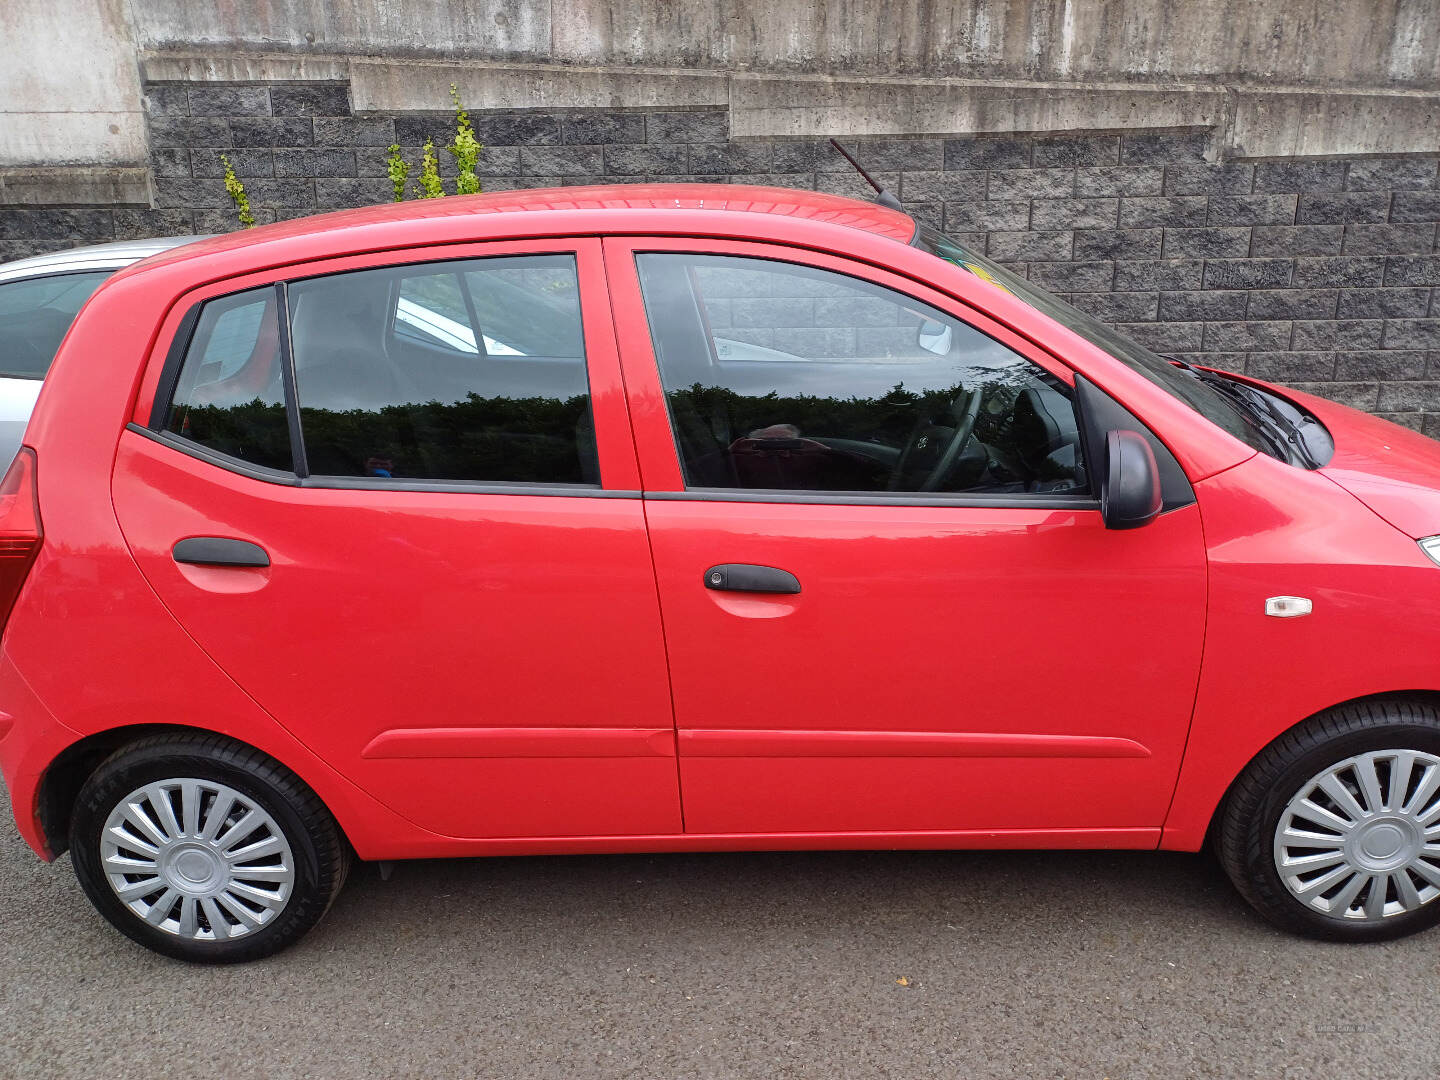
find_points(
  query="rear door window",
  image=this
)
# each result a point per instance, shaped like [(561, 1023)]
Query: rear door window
[(465, 371), (461, 371)]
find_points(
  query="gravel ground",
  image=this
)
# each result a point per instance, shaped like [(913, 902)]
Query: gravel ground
[(832, 965)]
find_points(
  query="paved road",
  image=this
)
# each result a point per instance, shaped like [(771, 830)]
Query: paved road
[(1073, 965)]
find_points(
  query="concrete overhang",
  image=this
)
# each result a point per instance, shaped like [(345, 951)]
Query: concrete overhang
[(1245, 120)]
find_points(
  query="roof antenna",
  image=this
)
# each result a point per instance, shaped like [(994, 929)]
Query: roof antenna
[(882, 196)]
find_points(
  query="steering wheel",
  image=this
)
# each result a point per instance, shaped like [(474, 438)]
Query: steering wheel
[(964, 428)]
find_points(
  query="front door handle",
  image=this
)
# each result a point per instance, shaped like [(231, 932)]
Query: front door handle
[(219, 551), (746, 577)]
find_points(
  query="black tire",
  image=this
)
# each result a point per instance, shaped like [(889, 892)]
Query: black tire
[(1252, 810), (321, 854)]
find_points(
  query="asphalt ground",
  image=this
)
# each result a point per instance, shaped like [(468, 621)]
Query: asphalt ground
[(966, 965)]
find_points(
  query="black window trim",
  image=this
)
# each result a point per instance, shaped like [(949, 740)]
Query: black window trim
[(298, 461), (170, 372), (214, 457), (466, 487), (380, 483), (749, 495), (300, 476), (976, 500)]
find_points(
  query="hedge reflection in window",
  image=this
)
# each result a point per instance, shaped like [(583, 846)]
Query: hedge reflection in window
[(468, 371)]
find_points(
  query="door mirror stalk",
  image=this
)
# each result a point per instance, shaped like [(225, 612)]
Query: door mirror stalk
[(1124, 473)]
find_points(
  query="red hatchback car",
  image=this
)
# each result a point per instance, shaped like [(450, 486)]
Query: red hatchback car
[(692, 518)]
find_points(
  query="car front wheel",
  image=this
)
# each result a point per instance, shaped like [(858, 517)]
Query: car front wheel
[(205, 850), (1334, 830)]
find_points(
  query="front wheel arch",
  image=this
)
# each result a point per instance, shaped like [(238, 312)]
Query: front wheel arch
[(1337, 831), (1217, 815)]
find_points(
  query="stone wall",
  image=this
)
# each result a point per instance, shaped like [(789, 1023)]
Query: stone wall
[(1317, 272)]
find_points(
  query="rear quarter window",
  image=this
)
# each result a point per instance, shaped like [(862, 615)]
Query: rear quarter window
[(230, 397)]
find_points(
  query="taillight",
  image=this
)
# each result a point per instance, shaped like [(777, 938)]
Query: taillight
[(20, 530)]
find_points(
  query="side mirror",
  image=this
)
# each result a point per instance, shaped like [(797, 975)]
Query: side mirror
[(934, 337), (1130, 492)]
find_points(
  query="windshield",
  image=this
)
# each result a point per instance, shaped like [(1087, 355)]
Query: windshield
[(34, 315), (1208, 401)]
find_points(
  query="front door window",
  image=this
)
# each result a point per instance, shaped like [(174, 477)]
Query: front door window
[(781, 376)]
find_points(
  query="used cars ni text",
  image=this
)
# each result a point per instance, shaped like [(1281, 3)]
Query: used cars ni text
[(664, 518)]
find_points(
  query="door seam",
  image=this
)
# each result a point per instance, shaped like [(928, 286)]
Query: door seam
[(669, 676), (1199, 682), (605, 248)]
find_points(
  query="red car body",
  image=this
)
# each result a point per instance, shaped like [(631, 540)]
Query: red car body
[(466, 673)]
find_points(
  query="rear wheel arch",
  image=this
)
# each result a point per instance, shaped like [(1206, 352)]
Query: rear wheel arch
[(66, 775), (205, 849)]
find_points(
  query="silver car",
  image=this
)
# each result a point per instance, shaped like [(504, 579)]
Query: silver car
[(39, 298)]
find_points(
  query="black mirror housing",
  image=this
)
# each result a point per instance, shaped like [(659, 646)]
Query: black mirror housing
[(1130, 492), (1132, 487)]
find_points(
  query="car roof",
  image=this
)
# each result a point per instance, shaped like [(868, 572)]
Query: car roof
[(91, 257), (602, 209)]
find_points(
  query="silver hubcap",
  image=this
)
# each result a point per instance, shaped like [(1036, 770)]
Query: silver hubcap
[(1361, 840), (197, 859)]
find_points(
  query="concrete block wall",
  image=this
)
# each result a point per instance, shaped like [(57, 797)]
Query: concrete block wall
[(1317, 272)]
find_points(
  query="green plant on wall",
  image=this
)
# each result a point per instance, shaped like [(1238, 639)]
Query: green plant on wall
[(465, 148), (399, 171), (429, 186), (236, 191)]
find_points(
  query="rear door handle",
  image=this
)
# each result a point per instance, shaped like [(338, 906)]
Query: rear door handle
[(219, 551), (747, 577)]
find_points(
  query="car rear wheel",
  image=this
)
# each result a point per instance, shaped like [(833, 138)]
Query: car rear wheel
[(205, 850), (1334, 830)]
